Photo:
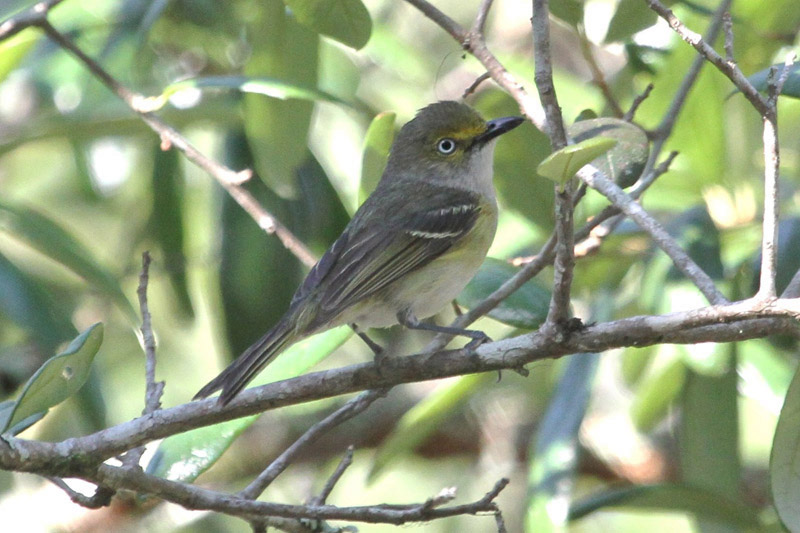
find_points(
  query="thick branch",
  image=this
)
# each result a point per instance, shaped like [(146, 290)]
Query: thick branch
[(725, 323)]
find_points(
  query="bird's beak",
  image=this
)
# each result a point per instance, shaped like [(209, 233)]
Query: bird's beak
[(497, 127)]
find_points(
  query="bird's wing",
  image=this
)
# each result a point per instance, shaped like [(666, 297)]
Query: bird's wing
[(367, 258)]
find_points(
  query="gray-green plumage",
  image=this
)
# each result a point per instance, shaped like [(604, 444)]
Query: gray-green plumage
[(409, 249)]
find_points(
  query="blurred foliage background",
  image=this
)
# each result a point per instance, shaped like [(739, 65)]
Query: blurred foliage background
[(668, 438)]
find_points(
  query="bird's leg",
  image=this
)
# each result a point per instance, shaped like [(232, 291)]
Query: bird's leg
[(376, 348), (407, 319)]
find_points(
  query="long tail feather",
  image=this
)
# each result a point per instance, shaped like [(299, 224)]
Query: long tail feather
[(239, 373)]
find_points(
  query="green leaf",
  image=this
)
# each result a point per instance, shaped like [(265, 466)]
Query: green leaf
[(55, 242), (570, 11), (377, 143), (166, 223), (556, 452), (630, 17), (25, 302), (277, 130), (764, 372), (14, 50), (656, 393), (760, 79), (784, 464), (419, 422), (624, 162), (55, 381), (709, 436), (563, 164), (272, 87), (526, 308), (347, 21), (680, 498), (185, 456)]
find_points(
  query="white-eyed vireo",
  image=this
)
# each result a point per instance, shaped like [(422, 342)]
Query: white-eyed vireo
[(409, 249)]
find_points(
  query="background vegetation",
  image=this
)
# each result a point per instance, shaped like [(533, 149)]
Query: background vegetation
[(85, 187)]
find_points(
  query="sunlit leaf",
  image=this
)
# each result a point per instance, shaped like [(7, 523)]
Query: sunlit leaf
[(657, 392), (784, 464), (14, 50), (185, 456), (51, 239), (377, 143), (59, 378), (679, 498), (347, 21), (526, 308), (563, 164), (423, 419)]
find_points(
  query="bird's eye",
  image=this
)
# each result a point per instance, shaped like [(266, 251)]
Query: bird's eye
[(446, 146)]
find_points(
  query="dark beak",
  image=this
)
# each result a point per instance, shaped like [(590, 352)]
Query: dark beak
[(497, 127)]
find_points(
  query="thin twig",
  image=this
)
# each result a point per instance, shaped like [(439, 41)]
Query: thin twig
[(475, 84), (33, 16), (630, 113), (154, 388), (564, 264), (772, 163), (350, 409), (698, 43), (343, 465), (727, 23), (229, 179), (660, 236), (101, 497), (480, 19)]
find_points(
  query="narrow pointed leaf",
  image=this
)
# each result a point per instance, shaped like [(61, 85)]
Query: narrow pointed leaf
[(185, 456), (59, 378), (679, 498), (49, 238), (272, 87), (419, 422)]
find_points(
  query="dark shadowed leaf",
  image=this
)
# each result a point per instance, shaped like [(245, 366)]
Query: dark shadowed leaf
[(59, 378), (570, 11), (630, 17), (760, 80), (347, 21), (679, 498), (166, 223), (51, 239), (525, 308), (624, 162), (27, 303)]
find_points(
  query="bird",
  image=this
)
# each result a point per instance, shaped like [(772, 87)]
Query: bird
[(410, 248)]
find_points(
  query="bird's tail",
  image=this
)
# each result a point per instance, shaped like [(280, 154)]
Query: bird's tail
[(239, 373)]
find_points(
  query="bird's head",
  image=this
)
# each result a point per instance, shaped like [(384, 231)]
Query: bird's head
[(446, 140)]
